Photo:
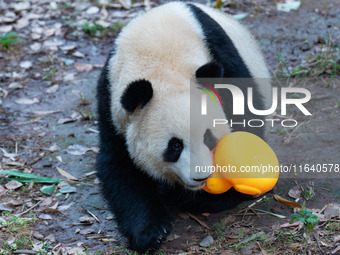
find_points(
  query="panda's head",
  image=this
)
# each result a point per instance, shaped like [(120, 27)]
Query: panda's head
[(159, 137)]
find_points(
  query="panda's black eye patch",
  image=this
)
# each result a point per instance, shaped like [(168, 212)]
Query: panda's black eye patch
[(174, 150), (209, 139)]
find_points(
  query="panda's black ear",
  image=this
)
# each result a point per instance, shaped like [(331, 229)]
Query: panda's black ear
[(210, 70), (138, 93)]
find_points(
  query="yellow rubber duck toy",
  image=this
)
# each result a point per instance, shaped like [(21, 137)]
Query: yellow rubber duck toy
[(244, 161)]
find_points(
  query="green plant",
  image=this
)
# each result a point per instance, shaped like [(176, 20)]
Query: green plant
[(333, 227), (50, 73), (116, 27), (308, 219), (265, 199), (8, 39), (280, 131), (93, 29), (44, 248)]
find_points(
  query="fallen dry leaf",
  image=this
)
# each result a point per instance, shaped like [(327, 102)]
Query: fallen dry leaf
[(83, 67), (38, 236), (13, 185), (2, 190), (295, 192), (77, 149), (87, 219), (12, 156), (45, 112), (47, 201), (66, 174), (171, 237), (332, 210), (59, 158), (25, 64), (86, 231), (44, 216), (7, 207), (52, 89), (65, 120), (125, 3), (294, 224), (50, 238), (51, 211), (63, 184), (75, 251), (53, 148), (64, 207), (336, 250), (92, 10), (286, 201), (27, 101), (16, 202), (78, 54)]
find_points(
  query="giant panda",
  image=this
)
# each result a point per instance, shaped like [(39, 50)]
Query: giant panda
[(143, 95)]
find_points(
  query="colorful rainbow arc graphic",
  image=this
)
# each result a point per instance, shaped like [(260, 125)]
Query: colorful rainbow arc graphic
[(213, 90)]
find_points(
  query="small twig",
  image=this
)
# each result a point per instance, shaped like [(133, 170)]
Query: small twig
[(18, 215), (80, 224), (324, 188), (24, 252), (99, 237), (317, 242), (251, 209), (94, 216), (247, 214), (323, 208), (34, 161), (199, 221)]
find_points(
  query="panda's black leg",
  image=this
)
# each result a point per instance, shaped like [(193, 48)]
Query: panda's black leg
[(132, 196)]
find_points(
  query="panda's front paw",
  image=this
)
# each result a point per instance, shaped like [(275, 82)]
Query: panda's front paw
[(150, 238)]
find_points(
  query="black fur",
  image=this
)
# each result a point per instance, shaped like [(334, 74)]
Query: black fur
[(210, 70), (209, 139), (138, 93), (224, 52)]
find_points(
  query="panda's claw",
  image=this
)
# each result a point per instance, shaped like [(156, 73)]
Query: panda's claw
[(152, 236)]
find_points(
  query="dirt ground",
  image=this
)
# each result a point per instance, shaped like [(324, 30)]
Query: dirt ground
[(48, 122)]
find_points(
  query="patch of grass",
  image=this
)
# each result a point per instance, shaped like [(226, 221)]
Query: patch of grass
[(93, 29), (9, 39), (48, 60), (281, 131), (326, 61), (333, 227), (49, 74), (18, 227), (12, 223), (116, 27)]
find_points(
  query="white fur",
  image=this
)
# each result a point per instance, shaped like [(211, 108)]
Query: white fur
[(165, 47)]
